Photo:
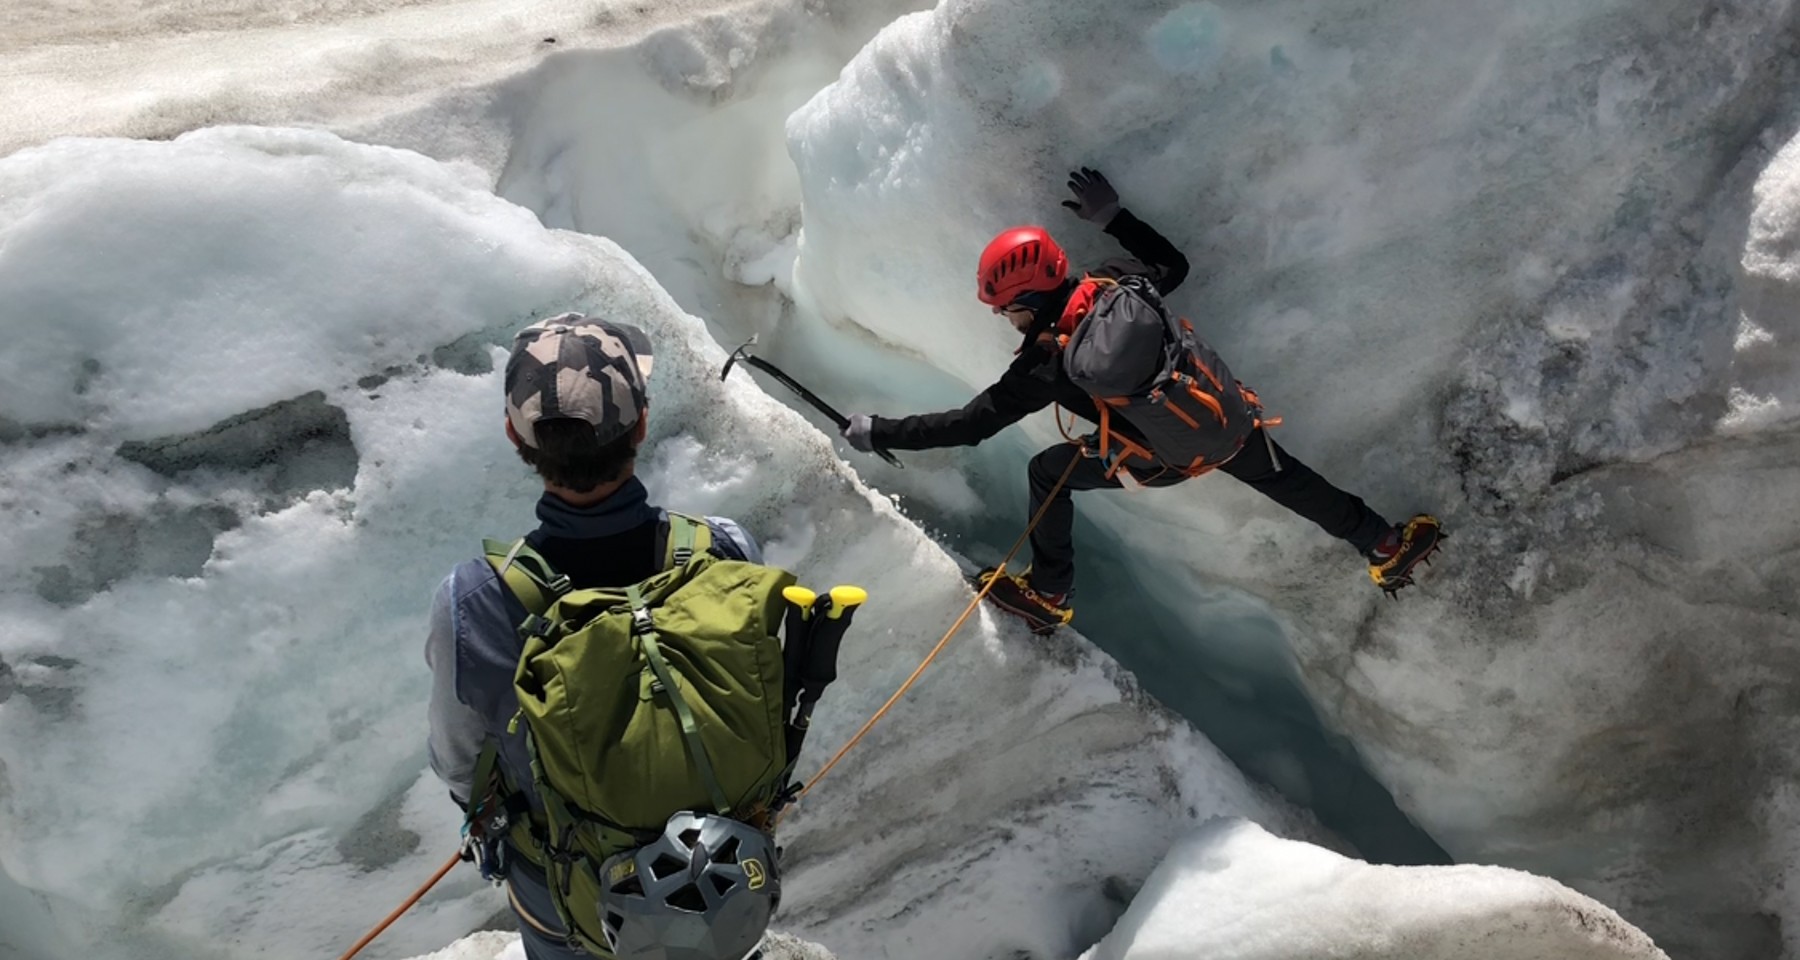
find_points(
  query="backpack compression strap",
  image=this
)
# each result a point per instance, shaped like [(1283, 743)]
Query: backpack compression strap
[(645, 629), (684, 537)]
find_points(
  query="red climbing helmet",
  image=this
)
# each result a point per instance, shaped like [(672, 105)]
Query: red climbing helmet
[(1019, 261)]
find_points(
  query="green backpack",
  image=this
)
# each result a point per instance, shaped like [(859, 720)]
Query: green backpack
[(642, 701)]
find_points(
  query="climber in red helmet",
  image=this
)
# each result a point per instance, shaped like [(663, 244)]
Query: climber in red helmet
[(1025, 277)]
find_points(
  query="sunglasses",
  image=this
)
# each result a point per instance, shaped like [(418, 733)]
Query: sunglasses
[(1033, 300)]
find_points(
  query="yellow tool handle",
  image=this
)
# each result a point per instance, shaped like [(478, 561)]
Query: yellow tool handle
[(845, 597), (800, 597)]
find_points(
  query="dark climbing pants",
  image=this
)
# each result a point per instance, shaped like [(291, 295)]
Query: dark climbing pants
[(539, 926), (1262, 464)]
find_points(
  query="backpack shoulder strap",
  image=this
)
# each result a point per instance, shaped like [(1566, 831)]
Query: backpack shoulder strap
[(526, 573), (683, 538), (481, 785)]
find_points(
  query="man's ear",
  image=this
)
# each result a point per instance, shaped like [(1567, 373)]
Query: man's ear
[(512, 434), (643, 426)]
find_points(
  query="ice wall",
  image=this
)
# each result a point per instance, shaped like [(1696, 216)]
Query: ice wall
[(30, 931), (699, 187), (249, 416), (704, 195), (1485, 260), (125, 68), (1229, 891)]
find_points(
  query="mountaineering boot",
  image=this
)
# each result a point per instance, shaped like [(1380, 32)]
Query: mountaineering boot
[(1401, 549), (1043, 612)]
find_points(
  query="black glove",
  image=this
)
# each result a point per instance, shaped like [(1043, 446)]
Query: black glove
[(1095, 199), (857, 432)]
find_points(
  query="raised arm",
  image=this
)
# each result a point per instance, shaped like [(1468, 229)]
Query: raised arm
[(1097, 202), (1165, 266)]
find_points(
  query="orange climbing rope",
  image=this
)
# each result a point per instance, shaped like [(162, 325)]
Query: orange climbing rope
[(945, 640), (381, 927)]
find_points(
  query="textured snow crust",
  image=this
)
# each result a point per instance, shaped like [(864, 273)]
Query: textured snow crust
[(1230, 891)]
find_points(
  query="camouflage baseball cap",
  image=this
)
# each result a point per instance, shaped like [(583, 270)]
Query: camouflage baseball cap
[(578, 368)]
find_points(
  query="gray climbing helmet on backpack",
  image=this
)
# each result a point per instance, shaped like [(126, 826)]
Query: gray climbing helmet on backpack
[(704, 890)]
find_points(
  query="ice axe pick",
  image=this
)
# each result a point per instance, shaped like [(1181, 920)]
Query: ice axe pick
[(843, 423)]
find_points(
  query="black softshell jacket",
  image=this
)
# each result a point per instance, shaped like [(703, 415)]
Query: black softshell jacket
[(1036, 379)]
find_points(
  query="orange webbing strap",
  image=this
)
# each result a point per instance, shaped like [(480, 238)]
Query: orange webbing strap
[(1256, 402), (1105, 412), (945, 640), (1128, 447), (381, 927)]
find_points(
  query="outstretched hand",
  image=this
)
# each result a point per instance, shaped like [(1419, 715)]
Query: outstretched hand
[(1095, 199)]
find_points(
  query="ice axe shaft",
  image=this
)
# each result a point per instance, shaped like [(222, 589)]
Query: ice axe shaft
[(843, 423)]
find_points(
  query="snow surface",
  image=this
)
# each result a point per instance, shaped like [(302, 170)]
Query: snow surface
[(155, 69), (1230, 891), (251, 406)]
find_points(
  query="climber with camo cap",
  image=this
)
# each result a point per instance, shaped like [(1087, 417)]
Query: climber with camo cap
[(1024, 276), (577, 412)]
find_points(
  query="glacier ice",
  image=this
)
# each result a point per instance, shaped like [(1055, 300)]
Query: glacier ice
[(232, 753), (1531, 264), (1486, 261)]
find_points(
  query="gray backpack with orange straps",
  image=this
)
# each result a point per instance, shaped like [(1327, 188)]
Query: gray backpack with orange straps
[(1140, 362)]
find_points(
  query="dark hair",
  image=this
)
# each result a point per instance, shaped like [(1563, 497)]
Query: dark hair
[(568, 456)]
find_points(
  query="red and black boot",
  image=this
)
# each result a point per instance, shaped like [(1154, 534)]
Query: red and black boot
[(1401, 549), (1013, 594)]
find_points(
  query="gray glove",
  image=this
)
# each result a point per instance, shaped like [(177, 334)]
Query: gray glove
[(857, 432), (1095, 199)]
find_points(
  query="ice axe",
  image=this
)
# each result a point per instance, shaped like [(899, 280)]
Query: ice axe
[(843, 423)]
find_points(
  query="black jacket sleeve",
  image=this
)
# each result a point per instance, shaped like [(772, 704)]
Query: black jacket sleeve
[(1167, 266), (1029, 385)]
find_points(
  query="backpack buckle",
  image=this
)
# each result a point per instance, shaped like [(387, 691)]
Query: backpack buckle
[(789, 792), (640, 621)]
